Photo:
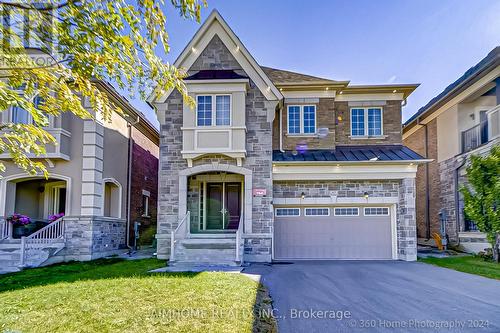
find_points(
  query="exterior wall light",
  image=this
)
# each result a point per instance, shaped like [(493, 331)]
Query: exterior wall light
[(365, 195), (302, 195)]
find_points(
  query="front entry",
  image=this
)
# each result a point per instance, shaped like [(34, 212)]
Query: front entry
[(223, 206)]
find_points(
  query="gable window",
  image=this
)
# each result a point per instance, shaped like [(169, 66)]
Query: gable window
[(287, 212), (301, 119), (205, 106), (366, 122)]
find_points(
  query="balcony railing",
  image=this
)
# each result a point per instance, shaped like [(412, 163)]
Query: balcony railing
[(483, 132)]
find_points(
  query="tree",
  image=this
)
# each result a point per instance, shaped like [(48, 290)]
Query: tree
[(79, 42), (482, 196)]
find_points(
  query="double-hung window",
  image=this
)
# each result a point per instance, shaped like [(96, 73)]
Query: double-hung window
[(366, 122), (213, 110), (21, 116), (301, 119)]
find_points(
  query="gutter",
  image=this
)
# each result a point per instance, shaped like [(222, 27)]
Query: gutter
[(281, 130)]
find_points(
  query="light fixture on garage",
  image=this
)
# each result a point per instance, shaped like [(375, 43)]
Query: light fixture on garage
[(365, 195), (302, 195)]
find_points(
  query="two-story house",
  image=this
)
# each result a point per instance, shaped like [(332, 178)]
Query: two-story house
[(102, 179), (273, 165), (461, 121)]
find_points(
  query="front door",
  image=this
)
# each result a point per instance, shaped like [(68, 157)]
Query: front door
[(223, 206)]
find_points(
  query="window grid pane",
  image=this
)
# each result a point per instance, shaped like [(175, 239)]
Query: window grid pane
[(374, 211), (204, 111), (293, 119), (222, 110), (317, 212), (20, 115), (374, 122), (287, 212), (358, 122), (309, 119), (347, 211)]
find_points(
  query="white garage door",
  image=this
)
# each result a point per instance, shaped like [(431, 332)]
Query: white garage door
[(332, 233)]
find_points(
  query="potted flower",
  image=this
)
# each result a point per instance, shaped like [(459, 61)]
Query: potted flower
[(55, 217), (19, 223)]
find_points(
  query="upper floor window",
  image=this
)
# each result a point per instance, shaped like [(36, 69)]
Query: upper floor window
[(366, 122), (301, 119), (21, 116), (206, 104)]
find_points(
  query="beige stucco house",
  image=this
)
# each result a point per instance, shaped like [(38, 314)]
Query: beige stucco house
[(277, 165), (92, 182), (461, 121)]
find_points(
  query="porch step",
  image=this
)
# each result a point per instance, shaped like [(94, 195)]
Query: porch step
[(230, 235), (207, 249)]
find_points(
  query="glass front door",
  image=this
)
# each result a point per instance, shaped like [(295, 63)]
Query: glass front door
[(223, 206)]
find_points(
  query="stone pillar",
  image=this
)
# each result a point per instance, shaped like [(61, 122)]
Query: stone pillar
[(92, 167), (406, 223)]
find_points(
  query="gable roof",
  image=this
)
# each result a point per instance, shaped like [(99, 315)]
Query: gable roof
[(471, 75), (284, 77), (216, 25)]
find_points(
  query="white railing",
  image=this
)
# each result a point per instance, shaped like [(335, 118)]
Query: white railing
[(239, 234), (4, 229), (181, 232), (51, 235)]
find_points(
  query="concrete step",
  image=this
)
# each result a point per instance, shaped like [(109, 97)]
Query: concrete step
[(10, 241), (229, 234)]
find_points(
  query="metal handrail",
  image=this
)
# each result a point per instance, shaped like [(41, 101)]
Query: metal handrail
[(4, 229), (177, 231)]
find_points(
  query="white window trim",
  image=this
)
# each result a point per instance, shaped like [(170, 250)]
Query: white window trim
[(335, 212), (214, 111), (365, 208), (113, 181), (365, 111), (301, 120), (146, 209), (305, 211), (276, 212)]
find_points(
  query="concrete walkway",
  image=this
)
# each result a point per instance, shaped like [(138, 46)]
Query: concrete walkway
[(379, 296)]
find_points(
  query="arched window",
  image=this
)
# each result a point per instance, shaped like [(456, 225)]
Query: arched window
[(112, 198)]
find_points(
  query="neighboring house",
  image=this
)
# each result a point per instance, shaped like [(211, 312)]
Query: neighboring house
[(103, 177), (273, 164), (461, 121)]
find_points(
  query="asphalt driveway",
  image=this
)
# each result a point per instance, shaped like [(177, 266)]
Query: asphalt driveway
[(379, 296)]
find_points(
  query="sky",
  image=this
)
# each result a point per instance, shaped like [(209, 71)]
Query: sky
[(367, 42)]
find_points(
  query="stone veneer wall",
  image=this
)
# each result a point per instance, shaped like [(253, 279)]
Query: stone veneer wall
[(258, 159), (401, 190), (447, 194), (91, 237)]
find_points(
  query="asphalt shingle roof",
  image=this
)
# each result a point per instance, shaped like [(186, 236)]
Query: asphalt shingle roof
[(350, 154), (280, 76)]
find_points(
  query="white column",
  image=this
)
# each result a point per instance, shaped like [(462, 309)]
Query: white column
[(92, 167)]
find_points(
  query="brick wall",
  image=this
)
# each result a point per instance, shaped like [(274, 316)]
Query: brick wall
[(391, 122), (417, 142), (144, 177)]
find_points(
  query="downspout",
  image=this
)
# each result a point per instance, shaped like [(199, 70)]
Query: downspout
[(427, 196), (129, 177)]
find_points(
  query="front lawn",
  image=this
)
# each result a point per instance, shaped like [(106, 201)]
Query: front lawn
[(468, 264), (114, 295)]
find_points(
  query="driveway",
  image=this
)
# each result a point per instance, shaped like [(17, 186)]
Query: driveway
[(379, 296)]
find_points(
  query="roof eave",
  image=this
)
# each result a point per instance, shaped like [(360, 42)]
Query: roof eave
[(334, 163)]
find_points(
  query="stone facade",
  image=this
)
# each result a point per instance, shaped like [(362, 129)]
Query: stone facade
[(258, 159), (449, 191), (92, 237), (401, 191)]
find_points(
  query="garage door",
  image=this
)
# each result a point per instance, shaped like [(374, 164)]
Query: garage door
[(332, 233)]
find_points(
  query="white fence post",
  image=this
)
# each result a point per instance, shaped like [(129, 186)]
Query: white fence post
[(23, 249)]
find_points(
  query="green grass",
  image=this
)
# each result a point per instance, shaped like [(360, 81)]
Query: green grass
[(468, 264), (120, 296)]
